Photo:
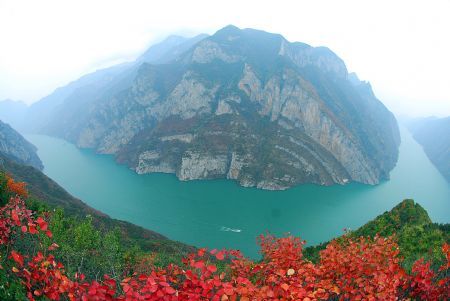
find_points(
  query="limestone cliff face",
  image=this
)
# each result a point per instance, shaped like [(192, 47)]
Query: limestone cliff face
[(16, 148), (320, 57), (293, 103), (248, 106)]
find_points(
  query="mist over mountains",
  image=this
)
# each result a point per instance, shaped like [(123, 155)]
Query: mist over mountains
[(241, 104), (149, 152), (434, 136)]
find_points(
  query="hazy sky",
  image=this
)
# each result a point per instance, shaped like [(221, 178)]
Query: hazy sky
[(401, 47)]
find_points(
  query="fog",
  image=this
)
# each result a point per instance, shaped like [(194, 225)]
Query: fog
[(401, 47)]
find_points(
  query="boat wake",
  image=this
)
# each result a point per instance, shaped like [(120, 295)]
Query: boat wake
[(226, 229)]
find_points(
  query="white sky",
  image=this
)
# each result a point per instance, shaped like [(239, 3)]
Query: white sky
[(401, 47)]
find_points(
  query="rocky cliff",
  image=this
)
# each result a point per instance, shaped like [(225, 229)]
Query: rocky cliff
[(74, 99), (245, 105), (15, 147)]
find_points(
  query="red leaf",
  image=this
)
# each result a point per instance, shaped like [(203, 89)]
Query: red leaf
[(220, 255), (201, 252), (199, 264), (229, 291), (15, 217), (32, 229), (17, 257), (212, 268), (285, 286), (53, 247), (42, 223), (169, 290)]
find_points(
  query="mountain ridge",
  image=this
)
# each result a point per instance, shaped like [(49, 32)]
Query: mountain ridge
[(43, 189), (410, 226), (245, 105), (15, 147), (434, 136)]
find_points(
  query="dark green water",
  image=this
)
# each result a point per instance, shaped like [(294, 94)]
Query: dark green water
[(205, 213)]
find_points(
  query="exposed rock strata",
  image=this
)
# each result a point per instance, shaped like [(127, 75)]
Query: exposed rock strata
[(248, 106)]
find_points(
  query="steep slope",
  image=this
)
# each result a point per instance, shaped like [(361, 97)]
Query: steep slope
[(245, 105), (78, 96), (415, 233), (15, 147), (44, 192), (80, 92), (434, 135), (50, 193)]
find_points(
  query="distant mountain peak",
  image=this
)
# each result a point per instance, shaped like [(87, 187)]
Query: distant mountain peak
[(262, 48), (228, 29)]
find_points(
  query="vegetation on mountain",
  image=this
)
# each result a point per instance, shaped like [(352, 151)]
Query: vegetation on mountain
[(74, 216), (242, 104), (17, 148), (409, 226), (35, 267)]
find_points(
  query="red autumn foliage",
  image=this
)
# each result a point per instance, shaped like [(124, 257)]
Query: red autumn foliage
[(425, 283), (364, 269), (18, 188), (349, 269)]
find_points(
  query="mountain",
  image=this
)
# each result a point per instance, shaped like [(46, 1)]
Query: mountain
[(44, 190), (12, 112), (415, 233), (84, 230), (434, 136), (76, 96), (242, 104), (15, 147), (79, 92), (169, 49)]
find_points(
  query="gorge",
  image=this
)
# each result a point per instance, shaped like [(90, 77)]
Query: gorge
[(242, 104), (205, 213)]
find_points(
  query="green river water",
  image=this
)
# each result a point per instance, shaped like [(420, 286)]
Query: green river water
[(221, 214)]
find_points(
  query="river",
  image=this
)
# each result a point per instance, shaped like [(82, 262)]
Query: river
[(221, 214)]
